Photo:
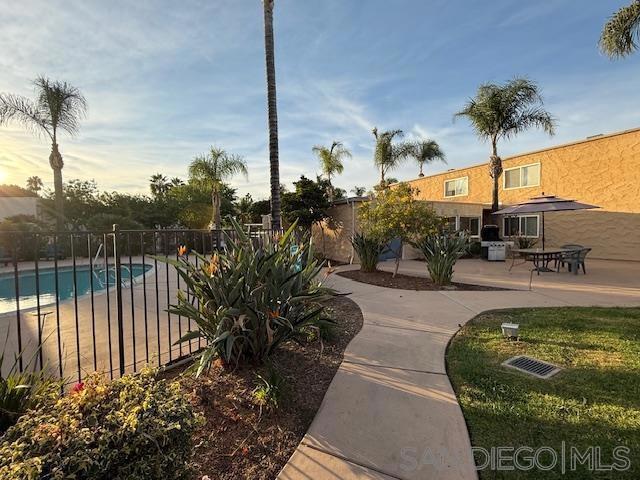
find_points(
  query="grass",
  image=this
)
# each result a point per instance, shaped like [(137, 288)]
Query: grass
[(594, 401)]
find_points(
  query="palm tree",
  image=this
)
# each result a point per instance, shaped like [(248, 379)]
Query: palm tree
[(57, 106), (34, 184), (176, 182), (331, 161), (159, 185), (427, 151), (621, 33), (210, 171), (274, 164), (358, 191), (388, 155), (501, 112)]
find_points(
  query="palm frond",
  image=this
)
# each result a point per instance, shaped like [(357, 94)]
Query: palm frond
[(502, 111), (15, 108), (621, 33)]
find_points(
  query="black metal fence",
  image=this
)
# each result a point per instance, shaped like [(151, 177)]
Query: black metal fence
[(75, 302)]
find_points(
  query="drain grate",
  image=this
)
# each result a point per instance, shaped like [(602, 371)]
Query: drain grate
[(532, 366)]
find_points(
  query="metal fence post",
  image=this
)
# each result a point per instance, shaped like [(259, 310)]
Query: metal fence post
[(118, 285)]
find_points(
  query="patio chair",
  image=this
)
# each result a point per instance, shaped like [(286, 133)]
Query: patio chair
[(562, 259), (575, 260)]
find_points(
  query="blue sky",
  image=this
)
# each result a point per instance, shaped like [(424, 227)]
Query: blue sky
[(166, 79)]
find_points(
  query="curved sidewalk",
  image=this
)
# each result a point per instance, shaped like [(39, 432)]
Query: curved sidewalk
[(390, 411)]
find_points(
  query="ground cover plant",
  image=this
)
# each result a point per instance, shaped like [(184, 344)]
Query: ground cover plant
[(130, 428), (593, 402)]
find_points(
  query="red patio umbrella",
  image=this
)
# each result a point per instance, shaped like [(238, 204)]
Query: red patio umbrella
[(542, 204)]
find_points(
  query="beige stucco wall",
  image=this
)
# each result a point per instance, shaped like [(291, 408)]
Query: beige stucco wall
[(602, 171), (11, 206), (332, 237)]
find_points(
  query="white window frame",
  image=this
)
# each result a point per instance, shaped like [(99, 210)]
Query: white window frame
[(520, 167), (466, 178), (520, 217)]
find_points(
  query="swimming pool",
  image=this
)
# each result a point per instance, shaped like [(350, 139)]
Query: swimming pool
[(66, 291)]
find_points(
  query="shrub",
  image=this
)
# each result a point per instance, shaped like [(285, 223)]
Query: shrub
[(251, 297), (18, 236), (368, 249), (396, 213), (442, 252), (20, 392), (132, 428), (475, 248), (525, 242), (270, 389)]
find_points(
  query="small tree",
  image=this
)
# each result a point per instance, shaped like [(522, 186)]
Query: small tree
[(395, 213), (308, 204)]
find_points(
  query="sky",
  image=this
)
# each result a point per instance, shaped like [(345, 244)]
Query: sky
[(164, 80)]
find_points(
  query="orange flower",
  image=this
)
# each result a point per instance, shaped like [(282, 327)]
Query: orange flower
[(182, 250), (214, 264)]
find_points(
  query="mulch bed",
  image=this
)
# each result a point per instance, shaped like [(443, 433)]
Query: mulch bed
[(408, 282), (241, 440)]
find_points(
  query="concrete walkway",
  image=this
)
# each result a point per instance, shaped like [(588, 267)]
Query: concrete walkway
[(390, 411)]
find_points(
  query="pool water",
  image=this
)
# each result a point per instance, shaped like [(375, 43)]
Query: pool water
[(66, 291)]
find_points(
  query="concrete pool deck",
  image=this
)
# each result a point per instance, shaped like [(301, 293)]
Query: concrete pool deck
[(390, 411)]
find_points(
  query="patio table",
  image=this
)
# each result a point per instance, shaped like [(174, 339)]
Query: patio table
[(540, 256)]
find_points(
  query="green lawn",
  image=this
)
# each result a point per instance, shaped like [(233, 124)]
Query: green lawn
[(595, 401)]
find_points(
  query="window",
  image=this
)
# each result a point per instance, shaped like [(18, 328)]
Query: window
[(522, 226), (456, 187), (471, 225), (524, 176), (450, 224)]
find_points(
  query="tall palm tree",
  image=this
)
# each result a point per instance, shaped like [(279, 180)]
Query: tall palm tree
[(210, 171), (387, 154), (427, 151), (621, 33), (274, 163), (331, 161), (34, 184), (159, 185), (57, 106), (501, 112)]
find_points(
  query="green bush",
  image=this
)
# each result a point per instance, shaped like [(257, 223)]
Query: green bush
[(251, 297), (441, 253), (475, 248), (525, 242), (368, 249), (20, 392), (19, 237), (136, 427)]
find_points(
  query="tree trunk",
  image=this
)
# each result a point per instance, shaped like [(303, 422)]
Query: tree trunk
[(274, 165), (421, 174), (216, 221), (55, 160), (495, 170)]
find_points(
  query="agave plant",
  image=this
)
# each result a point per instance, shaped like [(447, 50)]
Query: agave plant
[(251, 297), (442, 252), (368, 249)]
